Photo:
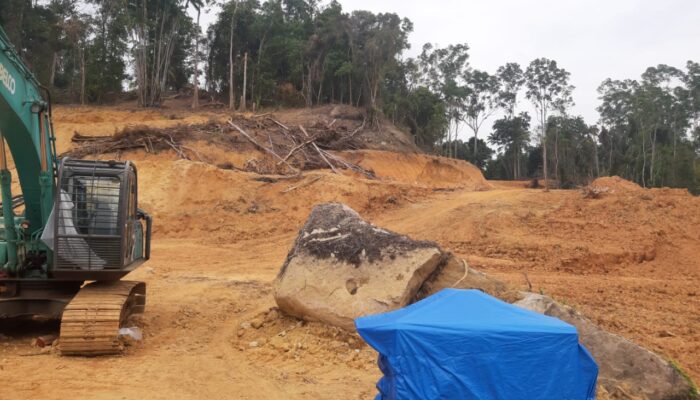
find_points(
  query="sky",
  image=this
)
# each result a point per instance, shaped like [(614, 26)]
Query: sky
[(592, 39)]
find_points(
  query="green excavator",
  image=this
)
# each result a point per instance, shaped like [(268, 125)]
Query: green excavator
[(75, 230)]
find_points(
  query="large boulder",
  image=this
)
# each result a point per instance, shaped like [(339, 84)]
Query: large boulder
[(626, 370), (342, 267), (453, 272)]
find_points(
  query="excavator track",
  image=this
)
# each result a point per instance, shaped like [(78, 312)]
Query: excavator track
[(91, 321)]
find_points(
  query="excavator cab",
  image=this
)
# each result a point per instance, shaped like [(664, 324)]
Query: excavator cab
[(97, 228)]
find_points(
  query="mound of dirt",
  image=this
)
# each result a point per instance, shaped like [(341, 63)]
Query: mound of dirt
[(420, 169), (341, 267), (196, 198), (91, 115), (615, 184)]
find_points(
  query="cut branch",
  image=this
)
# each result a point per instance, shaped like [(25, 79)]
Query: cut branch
[(320, 153), (261, 147)]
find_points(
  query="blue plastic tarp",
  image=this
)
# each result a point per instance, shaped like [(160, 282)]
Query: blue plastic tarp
[(464, 344)]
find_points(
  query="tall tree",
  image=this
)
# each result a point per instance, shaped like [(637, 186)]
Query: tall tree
[(511, 133), (481, 100), (512, 80), (107, 62), (443, 70), (197, 5), (548, 89), (376, 41), (156, 31), (569, 138)]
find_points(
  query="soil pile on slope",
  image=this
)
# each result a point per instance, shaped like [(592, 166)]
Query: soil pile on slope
[(615, 184), (423, 170)]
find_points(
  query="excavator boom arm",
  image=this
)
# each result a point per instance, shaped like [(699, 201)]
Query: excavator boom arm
[(26, 127)]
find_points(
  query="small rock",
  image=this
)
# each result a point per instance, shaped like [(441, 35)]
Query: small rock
[(254, 343), (257, 323), (245, 325), (272, 315), (666, 333)]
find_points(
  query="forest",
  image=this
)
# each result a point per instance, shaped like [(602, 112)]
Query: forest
[(303, 53)]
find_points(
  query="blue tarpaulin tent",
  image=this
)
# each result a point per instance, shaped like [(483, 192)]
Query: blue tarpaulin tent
[(464, 344)]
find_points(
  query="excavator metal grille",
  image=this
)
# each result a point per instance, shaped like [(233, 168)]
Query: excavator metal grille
[(88, 217)]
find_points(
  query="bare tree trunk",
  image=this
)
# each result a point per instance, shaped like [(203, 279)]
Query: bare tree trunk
[(195, 97), (673, 165), (543, 113), (82, 75), (610, 156), (141, 59), (231, 83), (544, 166), (653, 157), (454, 142), (245, 82), (556, 154), (595, 155), (52, 79), (256, 72), (644, 157), (307, 86)]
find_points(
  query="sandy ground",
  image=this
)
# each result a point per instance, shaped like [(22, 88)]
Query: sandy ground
[(628, 260)]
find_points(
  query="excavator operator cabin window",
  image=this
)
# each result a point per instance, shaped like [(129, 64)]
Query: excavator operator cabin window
[(95, 204)]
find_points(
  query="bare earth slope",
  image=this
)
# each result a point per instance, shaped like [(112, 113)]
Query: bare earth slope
[(629, 260)]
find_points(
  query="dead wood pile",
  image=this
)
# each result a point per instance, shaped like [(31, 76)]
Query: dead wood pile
[(293, 148)]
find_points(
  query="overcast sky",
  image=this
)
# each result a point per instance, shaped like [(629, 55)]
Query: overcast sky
[(592, 39)]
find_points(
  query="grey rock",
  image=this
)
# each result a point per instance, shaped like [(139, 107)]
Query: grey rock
[(342, 267), (625, 368)]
